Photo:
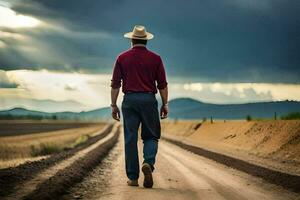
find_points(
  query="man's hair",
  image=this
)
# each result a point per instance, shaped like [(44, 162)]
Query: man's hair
[(136, 41)]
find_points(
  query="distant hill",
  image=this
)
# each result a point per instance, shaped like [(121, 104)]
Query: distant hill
[(21, 113), (46, 105), (187, 108), (181, 108)]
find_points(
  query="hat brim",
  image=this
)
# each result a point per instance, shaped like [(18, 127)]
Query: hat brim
[(130, 35)]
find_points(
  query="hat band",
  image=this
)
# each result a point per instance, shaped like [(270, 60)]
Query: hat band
[(144, 36)]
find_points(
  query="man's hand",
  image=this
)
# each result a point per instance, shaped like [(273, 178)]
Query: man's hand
[(164, 110), (115, 112)]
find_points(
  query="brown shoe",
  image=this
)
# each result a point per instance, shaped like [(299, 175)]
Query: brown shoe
[(148, 179), (133, 182)]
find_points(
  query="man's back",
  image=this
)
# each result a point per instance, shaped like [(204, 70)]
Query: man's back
[(141, 73), (140, 70)]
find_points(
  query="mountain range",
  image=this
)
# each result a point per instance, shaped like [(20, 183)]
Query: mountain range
[(46, 105), (187, 108), (180, 108)]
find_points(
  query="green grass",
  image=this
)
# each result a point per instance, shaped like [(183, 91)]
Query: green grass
[(248, 118), (293, 115), (80, 140)]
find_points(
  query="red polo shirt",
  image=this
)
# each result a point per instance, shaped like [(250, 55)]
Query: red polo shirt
[(139, 70)]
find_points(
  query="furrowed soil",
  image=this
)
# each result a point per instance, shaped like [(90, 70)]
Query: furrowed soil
[(38, 139), (178, 175), (13, 176), (93, 171)]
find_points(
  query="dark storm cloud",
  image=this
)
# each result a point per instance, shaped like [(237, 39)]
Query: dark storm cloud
[(229, 41)]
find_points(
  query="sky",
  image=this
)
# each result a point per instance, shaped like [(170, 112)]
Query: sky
[(222, 51)]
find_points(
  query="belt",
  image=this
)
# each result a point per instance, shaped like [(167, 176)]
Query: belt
[(131, 92)]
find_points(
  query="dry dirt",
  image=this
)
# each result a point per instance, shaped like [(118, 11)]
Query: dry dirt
[(179, 174), (55, 180), (274, 144), (10, 178)]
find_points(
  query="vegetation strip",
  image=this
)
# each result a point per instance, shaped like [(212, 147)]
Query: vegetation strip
[(74, 173), (288, 181), (11, 177)]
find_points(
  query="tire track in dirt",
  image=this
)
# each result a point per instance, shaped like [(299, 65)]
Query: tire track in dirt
[(51, 182), (179, 174), (10, 178), (288, 181), (96, 183)]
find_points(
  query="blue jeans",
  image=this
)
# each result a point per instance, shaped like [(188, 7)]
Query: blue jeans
[(140, 108)]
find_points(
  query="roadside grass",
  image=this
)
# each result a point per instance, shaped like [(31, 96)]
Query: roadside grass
[(288, 116), (51, 148), (80, 140), (44, 149), (291, 116)]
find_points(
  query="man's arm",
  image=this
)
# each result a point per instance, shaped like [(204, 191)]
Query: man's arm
[(164, 95), (162, 86), (114, 95), (115, 87), (115, 110), (164, 110)]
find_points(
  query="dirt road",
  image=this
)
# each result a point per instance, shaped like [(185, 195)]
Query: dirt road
[(179, 175)]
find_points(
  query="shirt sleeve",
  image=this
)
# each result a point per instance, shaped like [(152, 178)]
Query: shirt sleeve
[(117, 75), (161, 76)]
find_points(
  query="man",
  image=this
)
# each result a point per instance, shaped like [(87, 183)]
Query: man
[(141, 73)]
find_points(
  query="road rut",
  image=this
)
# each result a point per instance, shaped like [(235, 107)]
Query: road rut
[(179, 174)]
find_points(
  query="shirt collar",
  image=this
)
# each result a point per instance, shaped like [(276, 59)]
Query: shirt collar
[(139, 46)]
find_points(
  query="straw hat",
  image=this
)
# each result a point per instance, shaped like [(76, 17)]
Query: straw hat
[(139, 32)]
